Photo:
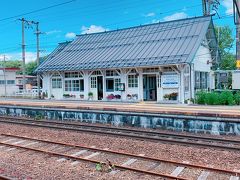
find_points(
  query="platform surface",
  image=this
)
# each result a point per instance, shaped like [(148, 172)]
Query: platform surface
[(143, 107)]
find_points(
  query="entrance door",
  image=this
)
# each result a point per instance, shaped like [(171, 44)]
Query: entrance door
[(149, 88), (100, 87)]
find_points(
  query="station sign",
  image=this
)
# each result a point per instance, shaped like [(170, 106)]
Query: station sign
[(121, 87), (170, 81)]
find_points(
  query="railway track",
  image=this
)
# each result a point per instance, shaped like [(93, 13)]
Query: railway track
[(122, 161), (173, 138), (3, 177)]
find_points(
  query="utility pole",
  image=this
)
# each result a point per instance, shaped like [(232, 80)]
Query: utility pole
[(23, 53), (29, 24), (208, 5), (236, 12), (38, 58), (204, 7)]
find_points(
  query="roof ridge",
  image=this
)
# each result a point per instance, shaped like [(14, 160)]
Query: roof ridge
[(144, 25)]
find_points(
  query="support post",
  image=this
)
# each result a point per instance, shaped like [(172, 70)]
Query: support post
[(23, 55)]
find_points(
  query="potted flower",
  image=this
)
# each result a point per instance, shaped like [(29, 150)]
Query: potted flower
[(81, 96), (173, 96), (117, 96), (166, 96), (129, 96), (190, 101), (110, 97), (135, 96), (90, 95), (66, 95)]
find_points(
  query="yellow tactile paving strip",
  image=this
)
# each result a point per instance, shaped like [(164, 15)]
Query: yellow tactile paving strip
[(213, 111)]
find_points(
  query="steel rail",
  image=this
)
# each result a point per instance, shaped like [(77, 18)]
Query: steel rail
[(93, 161), (125, 154), (3, 177), (142, 137), (152, 133)]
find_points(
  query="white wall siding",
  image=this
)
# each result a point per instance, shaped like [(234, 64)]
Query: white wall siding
[(201, 60)]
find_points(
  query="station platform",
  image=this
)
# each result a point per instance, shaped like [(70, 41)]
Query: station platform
[(143, 107)]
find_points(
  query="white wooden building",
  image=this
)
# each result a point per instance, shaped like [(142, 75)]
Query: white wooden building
[(162, 62), (8, 85)]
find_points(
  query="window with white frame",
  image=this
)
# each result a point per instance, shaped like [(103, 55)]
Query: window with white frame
[(132, 81), (56, 83), (201, 80), (72, 75), (93, 82), (97, 73), (111, 73), (68, 85), (75, 85), (117, 82), (110, 85), (147, 70), (2, 82)]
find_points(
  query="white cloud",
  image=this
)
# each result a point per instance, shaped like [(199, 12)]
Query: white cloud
[(175, 16), (229, 6), (92, 29), (53, 32), (70, 35), (155, 21), (29, 56), (151, 14)]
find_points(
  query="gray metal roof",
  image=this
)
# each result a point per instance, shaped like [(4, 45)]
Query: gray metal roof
[(172, 42)]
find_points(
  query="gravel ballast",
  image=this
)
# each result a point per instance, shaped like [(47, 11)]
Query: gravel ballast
[(38, 166)]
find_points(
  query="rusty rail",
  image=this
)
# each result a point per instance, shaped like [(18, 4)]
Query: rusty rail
[(235, 173), (41, 123), (94, 161), (3, 177)]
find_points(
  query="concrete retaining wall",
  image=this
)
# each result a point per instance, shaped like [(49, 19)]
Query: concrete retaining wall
[(209, 125)]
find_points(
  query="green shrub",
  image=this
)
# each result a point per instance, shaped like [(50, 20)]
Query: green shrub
[(200, 97), (237, 98), (90, 94), (226, 98), (212, 98)]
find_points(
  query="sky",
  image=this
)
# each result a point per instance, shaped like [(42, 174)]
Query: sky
[(64, 22)]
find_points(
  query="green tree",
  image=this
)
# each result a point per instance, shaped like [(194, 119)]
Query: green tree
[(30, 67), (225, 44), (12, 64)]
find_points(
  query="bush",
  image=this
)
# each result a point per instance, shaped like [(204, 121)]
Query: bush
[(200, 97), (226, 98), (237, 98), (212, 98)]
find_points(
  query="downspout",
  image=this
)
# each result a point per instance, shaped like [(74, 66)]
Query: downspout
[(190, 79)]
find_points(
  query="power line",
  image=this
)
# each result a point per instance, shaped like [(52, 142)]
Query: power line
[(35, 11), (105, 9), (53, 43)]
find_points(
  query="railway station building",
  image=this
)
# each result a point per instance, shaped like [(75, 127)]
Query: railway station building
[(163, 62)]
